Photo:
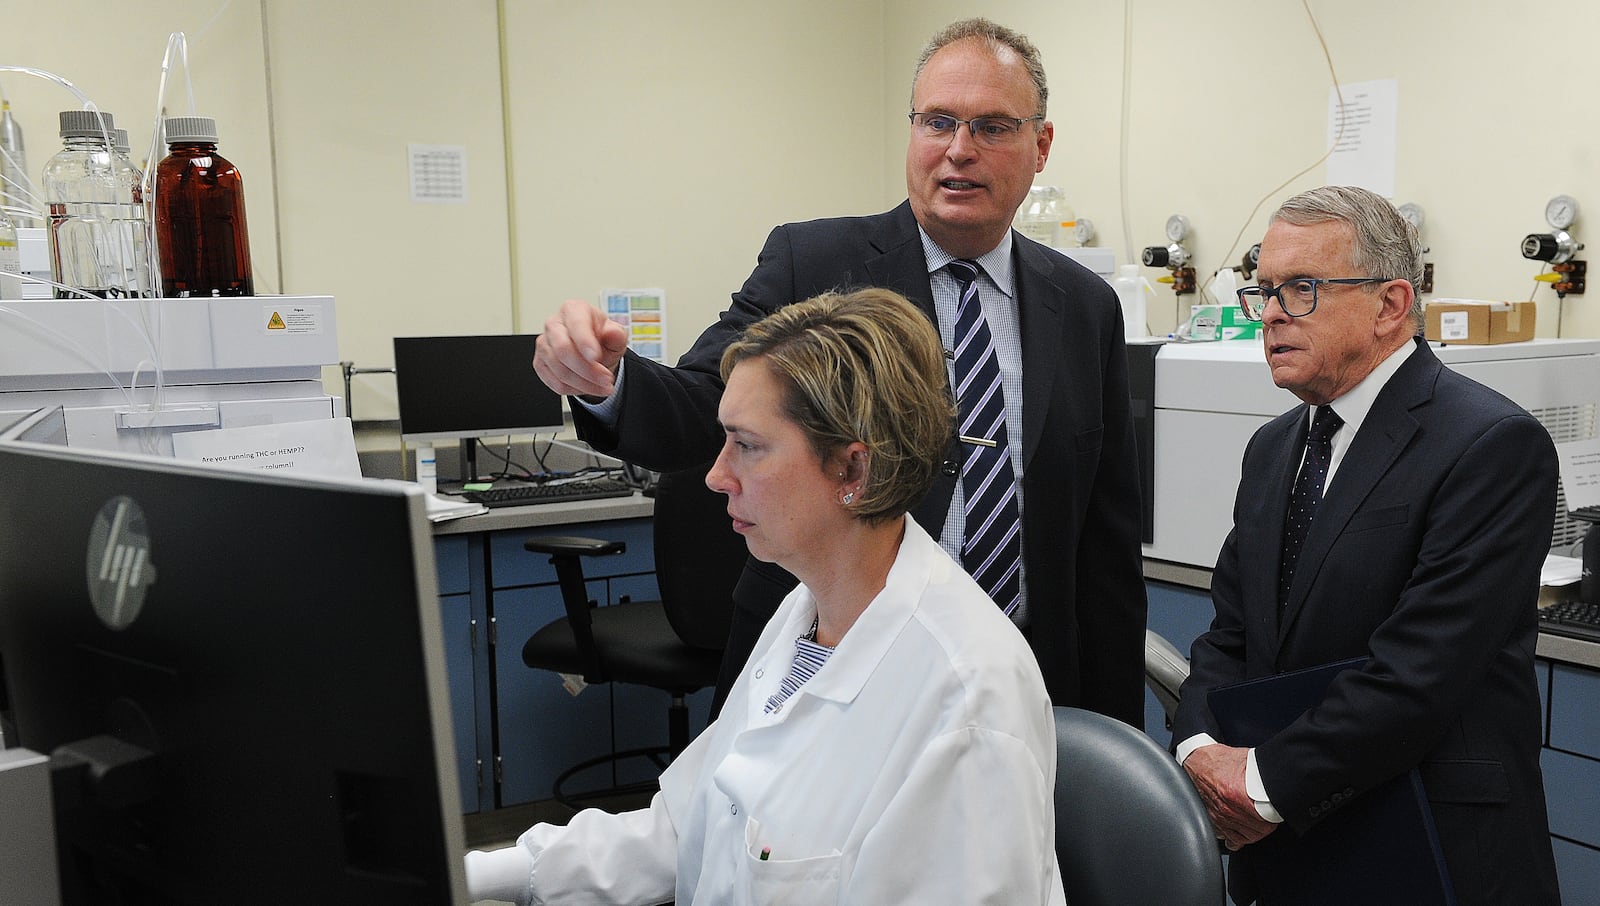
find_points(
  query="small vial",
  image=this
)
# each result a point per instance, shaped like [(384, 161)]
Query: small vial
[(427, 469)]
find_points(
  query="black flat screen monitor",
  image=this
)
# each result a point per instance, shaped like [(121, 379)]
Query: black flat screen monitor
[(471, 387), (239, 678)]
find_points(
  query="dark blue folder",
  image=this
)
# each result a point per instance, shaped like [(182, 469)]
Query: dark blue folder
[(1381, 847)]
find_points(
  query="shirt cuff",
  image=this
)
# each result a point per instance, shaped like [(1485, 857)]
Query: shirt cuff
[(1187, 747), (500, 874), (1258, 790), (607, 410)]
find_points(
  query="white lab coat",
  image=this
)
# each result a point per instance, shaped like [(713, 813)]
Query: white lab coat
[(917, 766)]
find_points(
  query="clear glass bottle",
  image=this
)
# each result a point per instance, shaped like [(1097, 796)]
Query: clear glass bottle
[(1042, 215), (134, 230), (96, 230), (202, 239)]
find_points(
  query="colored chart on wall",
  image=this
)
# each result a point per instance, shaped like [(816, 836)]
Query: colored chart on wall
[(644, 313)]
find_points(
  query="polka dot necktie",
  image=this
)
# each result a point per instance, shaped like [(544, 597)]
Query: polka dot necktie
[(1306, 495), (992, 542)]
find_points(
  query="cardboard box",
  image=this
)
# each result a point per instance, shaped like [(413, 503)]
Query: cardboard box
[(1235, 326), (1478, 323)]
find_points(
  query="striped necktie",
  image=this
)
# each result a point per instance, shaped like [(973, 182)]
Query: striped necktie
[(992, 544)]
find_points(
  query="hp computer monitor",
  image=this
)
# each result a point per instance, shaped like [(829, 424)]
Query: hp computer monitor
[(238, 676), (471, 387)]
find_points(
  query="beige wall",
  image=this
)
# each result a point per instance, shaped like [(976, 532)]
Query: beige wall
[(655, 144), (1228, 100)]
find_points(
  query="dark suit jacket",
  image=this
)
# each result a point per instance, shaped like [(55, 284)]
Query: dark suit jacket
[(1079, 469), (1424, 554)]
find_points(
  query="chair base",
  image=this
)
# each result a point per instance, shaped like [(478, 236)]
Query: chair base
[(660, 756)]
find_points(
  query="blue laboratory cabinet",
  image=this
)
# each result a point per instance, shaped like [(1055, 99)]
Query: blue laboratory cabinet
[(517, 728)]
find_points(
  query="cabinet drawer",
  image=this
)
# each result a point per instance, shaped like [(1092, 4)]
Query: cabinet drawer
[(1572, 795), (1541, 674), (1573, 694), (1578, 870), (450, 559)]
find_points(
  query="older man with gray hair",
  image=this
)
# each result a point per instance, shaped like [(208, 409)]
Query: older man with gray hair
[(1400, 515)]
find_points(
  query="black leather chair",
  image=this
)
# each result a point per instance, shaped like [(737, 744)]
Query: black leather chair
[(674, 644), (1130, 827)]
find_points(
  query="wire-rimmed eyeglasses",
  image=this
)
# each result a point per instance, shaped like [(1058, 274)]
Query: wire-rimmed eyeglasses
[(1298, 297), (993, 131)]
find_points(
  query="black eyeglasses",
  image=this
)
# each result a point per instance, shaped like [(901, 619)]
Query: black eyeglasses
[(1298, 297), (993, 131)]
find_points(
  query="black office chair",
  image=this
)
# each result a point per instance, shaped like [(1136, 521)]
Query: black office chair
[(674, 644), (1130, 827)]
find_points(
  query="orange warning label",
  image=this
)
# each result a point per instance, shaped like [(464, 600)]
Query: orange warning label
[(276, 323)]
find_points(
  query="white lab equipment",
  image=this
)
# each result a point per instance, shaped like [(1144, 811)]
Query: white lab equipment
[(1211, 397), (130, 373)]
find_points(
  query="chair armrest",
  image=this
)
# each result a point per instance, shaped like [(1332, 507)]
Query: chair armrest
[(572, 545)]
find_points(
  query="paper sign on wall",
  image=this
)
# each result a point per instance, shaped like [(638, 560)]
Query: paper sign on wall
[(1362, 132)]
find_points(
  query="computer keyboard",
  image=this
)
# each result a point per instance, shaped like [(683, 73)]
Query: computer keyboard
[(1574, 619), (530, 494)]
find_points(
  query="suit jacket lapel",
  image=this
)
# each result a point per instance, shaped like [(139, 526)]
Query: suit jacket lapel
[(1041, 307), (901, 265), (1274, 500), (1384, 435)]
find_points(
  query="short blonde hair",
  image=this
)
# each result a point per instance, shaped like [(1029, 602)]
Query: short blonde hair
[(861, 366)]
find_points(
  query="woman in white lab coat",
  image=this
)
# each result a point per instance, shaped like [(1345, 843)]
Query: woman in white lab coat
[(890, 740)]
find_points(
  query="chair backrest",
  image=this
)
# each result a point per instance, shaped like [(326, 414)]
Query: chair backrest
[(699, 557), (1130, 827)]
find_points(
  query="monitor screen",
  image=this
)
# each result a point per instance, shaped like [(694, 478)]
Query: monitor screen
[(238, 676), (462, 387)]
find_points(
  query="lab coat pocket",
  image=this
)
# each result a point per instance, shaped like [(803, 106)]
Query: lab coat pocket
[(776, 881)]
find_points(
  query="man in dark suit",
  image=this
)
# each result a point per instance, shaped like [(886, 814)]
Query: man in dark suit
[(1421, 551), (978, 134)]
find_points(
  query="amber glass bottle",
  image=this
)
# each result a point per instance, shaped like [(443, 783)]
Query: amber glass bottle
[(202, 241)]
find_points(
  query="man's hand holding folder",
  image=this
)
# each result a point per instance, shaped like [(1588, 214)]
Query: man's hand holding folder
[(1218, 772)]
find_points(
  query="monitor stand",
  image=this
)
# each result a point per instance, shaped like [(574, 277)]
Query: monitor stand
[(469, 460)]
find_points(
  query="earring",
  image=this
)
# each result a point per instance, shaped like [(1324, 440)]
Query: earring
[(848, 498)]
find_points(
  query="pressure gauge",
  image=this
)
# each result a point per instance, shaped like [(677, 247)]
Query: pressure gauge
[(1172, 256), (1561, 211), (1083, 231), (1412, 212), (1177, 227)]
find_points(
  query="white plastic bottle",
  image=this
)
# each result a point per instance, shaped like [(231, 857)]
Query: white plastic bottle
[(427, 469), (1134, 292)]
